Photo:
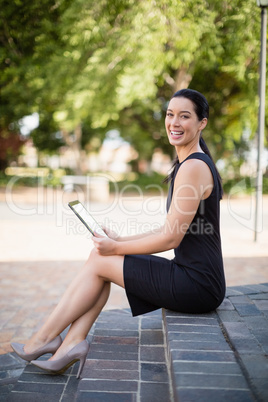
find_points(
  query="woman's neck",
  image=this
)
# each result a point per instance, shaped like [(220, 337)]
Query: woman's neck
[(183, 153)]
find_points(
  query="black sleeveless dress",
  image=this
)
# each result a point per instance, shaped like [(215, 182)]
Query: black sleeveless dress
[(192, 282)]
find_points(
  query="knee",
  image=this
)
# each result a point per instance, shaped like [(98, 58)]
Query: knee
[(93, 254), (94, 259)]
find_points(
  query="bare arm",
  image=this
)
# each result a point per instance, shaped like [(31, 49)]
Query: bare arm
[(191, 184), (114, 236), (139, 235)]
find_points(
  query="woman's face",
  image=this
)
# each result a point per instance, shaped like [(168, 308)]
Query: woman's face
[(182, 124)]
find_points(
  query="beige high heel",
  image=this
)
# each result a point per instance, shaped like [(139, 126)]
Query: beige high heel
[(79, 352), (50, 347)]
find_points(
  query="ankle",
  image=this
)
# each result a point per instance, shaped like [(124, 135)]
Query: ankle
[(70, 342), (40, 339)]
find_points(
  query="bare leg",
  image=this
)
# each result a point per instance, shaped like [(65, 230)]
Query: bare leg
[(82, 301), (80, 327)]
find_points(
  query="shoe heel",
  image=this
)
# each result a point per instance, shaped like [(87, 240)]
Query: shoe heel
[(82, 361)]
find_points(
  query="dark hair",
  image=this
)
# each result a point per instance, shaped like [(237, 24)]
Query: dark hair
[(201, 108)]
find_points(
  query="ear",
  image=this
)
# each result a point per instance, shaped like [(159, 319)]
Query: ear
[(203, 123)]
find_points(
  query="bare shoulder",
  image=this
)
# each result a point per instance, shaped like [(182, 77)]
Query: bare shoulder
[(194, 166), (197, 173)]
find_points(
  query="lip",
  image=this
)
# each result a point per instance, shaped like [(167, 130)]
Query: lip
[(176, 134)]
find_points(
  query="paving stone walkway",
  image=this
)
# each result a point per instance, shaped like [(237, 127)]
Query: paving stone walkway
[(126, 362), (143, 359), (162, 356), (222, 355)]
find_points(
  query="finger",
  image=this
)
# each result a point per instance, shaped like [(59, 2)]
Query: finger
[(96, 234), (95, 242), (105, 229)]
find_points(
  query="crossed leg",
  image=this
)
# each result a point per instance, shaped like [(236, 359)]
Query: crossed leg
[(81, 303)]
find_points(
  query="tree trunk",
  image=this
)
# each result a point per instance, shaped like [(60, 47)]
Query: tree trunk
[(73, 140), (182, 78)]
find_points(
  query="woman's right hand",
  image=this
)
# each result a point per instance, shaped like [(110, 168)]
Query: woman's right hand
[(111, 233)]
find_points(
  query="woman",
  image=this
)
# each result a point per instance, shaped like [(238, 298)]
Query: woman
[(193, 282)]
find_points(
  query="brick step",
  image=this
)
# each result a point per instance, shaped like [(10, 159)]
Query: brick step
[(11, 368), (162, 356), (221, 356), (126, 362), (29, 384)]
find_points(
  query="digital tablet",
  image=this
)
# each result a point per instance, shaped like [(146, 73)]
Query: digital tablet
[(86, 218)]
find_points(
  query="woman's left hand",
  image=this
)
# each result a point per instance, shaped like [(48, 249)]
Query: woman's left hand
[(104, 245)]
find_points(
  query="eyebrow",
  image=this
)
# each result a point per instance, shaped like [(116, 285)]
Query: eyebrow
[(183, 111)]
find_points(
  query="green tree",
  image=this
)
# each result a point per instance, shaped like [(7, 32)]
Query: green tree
[(114, 66), (91, 66), (21, 78), (128, 67), (232, 87)]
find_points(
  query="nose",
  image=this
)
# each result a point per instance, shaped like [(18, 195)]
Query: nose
[(175, 121)]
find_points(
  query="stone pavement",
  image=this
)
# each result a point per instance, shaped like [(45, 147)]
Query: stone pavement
[(126, 362), (218, 356), (222, 355), (41, 250)]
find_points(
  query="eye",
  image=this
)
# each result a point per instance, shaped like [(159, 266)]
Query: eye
[(185, 116), (169, 114)]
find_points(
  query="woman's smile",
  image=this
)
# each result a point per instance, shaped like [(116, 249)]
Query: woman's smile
[(176, 134), (182, 124)]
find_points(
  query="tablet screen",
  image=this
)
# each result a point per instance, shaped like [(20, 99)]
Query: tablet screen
[(86, 218)]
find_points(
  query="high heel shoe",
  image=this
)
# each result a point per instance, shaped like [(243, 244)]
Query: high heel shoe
[(50, 347), (79, 352)]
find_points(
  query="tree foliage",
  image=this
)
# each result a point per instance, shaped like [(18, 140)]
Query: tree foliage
[(87, 67), (23, 87)]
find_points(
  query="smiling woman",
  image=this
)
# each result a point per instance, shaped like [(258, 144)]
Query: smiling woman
[(182, 124), (192, 282), (198, 108)]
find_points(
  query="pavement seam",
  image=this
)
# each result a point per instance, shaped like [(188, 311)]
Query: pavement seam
[(238, 358), (168, 363)]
